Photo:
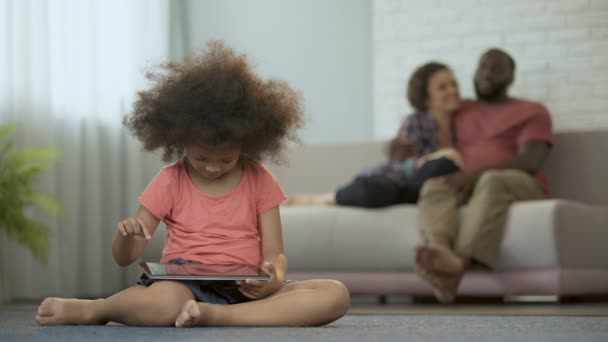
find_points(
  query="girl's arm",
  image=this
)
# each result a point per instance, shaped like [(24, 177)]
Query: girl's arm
[(273, 257), (271, 235), (132, 235)]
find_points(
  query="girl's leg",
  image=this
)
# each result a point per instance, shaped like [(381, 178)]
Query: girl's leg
[(302, 303), (156, 305)]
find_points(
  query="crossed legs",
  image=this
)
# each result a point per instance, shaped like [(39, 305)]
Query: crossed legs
[(452, 244), (302, 303), (168, 303)]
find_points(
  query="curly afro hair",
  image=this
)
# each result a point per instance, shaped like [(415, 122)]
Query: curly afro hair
[(215, 99)]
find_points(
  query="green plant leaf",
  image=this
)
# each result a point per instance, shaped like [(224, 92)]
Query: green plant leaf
[(47, 202), (35, 236), (19, 167), (7, 129)]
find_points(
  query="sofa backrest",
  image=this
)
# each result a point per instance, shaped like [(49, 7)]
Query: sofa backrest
[(577, 167), (323, 167)]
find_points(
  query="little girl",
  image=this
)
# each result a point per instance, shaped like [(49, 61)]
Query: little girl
[(220, 204)]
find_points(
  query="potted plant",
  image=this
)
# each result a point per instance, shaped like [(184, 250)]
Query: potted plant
[(19, 167)]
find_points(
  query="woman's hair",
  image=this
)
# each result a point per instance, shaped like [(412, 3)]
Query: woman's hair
[(417, 87), (215, 99)]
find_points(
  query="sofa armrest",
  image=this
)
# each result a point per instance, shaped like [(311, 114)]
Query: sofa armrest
[(555, 234)]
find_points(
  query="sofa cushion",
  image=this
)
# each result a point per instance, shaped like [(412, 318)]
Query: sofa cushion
[(383, 240), (347, 238), (539, 235)]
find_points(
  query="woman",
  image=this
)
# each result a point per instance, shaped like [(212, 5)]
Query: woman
[(424, 136)]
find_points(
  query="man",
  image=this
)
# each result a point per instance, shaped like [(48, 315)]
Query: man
[(503, 142)]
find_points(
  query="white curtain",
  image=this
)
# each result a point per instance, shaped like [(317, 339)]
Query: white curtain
[(69, 71)]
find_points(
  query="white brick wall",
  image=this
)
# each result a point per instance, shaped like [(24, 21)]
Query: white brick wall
[(560, 46)]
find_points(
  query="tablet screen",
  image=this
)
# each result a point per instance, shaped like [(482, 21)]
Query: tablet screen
[(193, 271)]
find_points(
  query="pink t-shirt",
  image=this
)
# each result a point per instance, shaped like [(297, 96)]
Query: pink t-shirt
[(489, 134), (212, 229)]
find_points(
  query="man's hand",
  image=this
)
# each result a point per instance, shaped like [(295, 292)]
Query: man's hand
[(462, 183), (258, 289)]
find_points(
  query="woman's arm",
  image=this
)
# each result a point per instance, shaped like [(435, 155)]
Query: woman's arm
[(400, 149), (132, 235)]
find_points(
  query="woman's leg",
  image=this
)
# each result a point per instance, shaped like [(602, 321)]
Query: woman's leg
[(301, 303), (328, 198), (373, 191), (155, 305)]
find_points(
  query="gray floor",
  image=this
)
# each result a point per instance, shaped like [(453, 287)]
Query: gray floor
[(17, 324)]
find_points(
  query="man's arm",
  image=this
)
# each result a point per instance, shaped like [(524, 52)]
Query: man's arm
[(530, 158)]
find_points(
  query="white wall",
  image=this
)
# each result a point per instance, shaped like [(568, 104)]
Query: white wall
[(560, 46), (323, 48)]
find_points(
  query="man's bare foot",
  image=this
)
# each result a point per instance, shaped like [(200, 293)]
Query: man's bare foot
[(438, 258), (420, 253), (311, 199), (193, 314), (61, 311), (445, 287)]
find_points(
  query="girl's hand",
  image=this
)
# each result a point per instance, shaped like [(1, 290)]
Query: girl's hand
[(133, 226), (258, 289)]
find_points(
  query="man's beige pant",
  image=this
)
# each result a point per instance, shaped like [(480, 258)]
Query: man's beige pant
[(476, 232)]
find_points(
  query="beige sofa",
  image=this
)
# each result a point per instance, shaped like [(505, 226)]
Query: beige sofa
[(551, 247)]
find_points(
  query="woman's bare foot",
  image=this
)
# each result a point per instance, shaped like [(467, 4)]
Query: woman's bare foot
[(61, 311), (311, 199), (193, 314)]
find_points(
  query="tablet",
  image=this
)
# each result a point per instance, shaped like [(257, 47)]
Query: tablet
[(192, 271)]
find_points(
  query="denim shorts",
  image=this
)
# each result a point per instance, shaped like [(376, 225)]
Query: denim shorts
[(208, 291)]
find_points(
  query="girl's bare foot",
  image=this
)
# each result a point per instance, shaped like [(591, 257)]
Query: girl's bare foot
[(193, 314), (61, 311)]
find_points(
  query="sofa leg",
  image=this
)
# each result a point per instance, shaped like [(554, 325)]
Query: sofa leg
[(583, 299), (532, 299), (382, 299), (568, 299)]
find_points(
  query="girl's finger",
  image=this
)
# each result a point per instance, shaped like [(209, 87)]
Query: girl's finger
[(248, 287), (268, 267), (121, 229), (129, 227), (138, 231), (246, 293), (255, 283), (144, 230)]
